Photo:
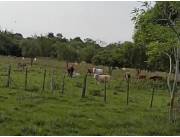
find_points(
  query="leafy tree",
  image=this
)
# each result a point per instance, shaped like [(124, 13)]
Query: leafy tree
[(87, 54), (8, 44), (31, 49), (50, 35), (59, 36), (46, 46), (67, 53), (158, 28)]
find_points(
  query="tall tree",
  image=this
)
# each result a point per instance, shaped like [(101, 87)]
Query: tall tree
[(31, 49), (158, 28)]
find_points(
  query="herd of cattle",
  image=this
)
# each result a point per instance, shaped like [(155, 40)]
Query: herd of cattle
[(100, 76), (99, 73)]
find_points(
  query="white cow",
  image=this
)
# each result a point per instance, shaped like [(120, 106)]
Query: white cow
[(102, 78), (97, 71), (124, 69)]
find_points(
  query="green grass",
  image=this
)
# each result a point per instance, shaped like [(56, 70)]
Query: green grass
[(34, 112)]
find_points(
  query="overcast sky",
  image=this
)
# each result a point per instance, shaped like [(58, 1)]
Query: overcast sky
[(106, 21)]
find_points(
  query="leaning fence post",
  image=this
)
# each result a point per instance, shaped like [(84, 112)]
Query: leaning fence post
[(84, 86), (25, 84), (152, 97), (44, 79), (9, 76), (105, 91), (63, 83)]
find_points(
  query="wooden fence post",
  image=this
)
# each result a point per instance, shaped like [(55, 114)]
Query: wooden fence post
[(9, 76), (152, 97), (52, 81), (128, 80), (63, 84), (44, 79), (25, 84), (105, 91), (84, 86)]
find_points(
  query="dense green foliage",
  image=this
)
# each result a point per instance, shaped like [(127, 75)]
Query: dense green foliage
[(155, 34), (73, 50), (47, 46)]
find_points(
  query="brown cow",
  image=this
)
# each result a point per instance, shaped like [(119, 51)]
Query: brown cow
[(94, 70), (90, 70), (70, 71), (156, 78)]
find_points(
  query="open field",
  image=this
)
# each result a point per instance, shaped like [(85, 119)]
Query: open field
[(37, 112)]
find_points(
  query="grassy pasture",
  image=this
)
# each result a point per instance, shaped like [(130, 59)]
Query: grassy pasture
[(37, 112)]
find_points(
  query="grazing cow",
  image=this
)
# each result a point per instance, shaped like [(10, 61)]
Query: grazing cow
[(124, 69), (94, 71), (70, 71), (90, 70), (98, 71), (102, 78), (156, 78)]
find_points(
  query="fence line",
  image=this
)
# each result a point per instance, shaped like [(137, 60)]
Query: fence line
[(54, 87)]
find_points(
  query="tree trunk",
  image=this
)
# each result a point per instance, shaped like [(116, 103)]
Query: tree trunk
[(171, 109), (169, 74)]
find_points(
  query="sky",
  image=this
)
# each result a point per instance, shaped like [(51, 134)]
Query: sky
[(106, 21)]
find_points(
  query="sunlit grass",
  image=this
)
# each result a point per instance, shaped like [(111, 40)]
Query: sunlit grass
[(37, 112)]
